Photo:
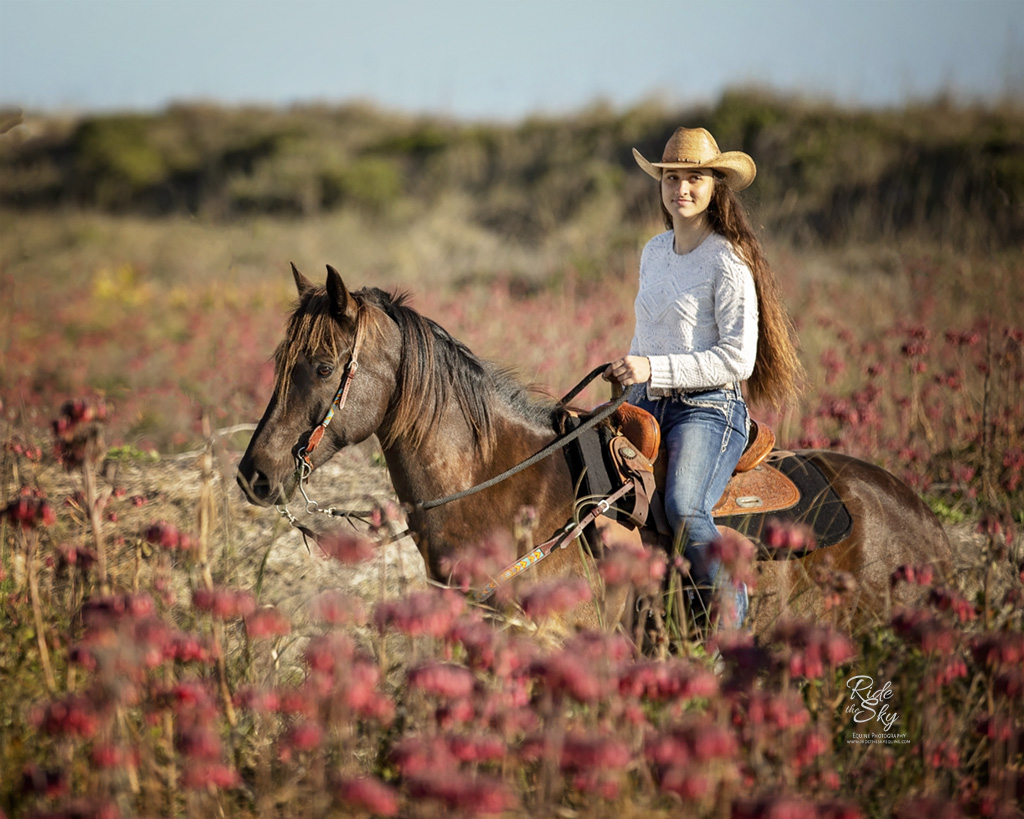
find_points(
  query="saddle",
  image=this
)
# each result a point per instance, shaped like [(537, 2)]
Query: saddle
[(754, 487)]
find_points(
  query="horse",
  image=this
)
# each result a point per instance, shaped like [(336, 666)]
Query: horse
[(447, 420)]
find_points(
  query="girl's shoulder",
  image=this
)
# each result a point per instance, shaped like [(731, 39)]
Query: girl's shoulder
[(660, 243), (724, 254)]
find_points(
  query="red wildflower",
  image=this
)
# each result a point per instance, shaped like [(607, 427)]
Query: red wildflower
[(113, 756), (788, 537), (481, 564), (257, 699), (775, 711), (423, 756), (464, 792), (265, 623), (953, 669), (201, 776), (166, 536), (633, 566), (30, 510), (999, 649), (737, 555), (809, 648), (476, 749), (996, 727), (428, 612), (689, 784), (809, 746), (442, 680), (673, 680), (338, 609), (920, 627), (73, 716), (328, 651), (224, 604), (347, 547), (78, 556), (301, 737), (370, 795), (919, 575), (199, 742), (781, 806), (187, 648), (78, 432), (583, 751), (945, 599), (1010, 684), (43, 781), (555, 596)]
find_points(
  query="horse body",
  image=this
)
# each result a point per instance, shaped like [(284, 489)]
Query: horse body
[(447, 421), (891, 527)]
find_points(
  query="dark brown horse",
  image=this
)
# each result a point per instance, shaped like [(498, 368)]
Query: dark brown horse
[(447, 421)]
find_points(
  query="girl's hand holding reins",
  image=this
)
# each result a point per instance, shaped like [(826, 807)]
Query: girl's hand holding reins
[(630, 370)]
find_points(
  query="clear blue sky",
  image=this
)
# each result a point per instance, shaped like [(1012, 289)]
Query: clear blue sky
[(501, 59)]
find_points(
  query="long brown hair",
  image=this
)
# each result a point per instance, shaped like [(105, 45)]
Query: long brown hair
[(778, 375)]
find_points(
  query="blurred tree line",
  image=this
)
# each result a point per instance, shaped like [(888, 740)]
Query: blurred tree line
[(831, 175)]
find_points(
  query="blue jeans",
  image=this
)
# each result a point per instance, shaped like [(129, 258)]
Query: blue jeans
[(704, 434)]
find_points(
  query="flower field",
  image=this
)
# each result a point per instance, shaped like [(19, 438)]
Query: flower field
[(168, 650)]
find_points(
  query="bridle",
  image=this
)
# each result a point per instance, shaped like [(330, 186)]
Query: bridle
[(304, 456)]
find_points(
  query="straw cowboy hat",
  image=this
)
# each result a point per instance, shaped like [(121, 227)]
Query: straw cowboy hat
[(696, 148)]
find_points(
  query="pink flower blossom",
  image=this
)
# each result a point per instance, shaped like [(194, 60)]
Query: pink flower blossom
[(199, 742), (301, 737), (476, 748), (206, 775), (442, 680), (73, 716), (555, 596), (583, 751), (480, 564), (166, 536), (917, 575), (464, 792), (809, 648), (999, 649), (788, 537), (347, 547), (945, 599), (267, 622), (329, 651), (257, 699), (224, 604), (368, 794), (737, 555), (429, 612), (923, 629), (635, 567), (338, 609), (29, 510), (672, 680)]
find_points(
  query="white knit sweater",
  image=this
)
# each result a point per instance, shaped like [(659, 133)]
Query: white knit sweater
[(696, 316)]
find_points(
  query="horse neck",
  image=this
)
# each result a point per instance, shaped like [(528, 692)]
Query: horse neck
[(450, 459)]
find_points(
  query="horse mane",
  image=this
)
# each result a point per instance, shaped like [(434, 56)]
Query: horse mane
[(434, 369)]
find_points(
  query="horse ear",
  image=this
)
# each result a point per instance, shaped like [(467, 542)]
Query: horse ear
[(301, 282), (342, 303)]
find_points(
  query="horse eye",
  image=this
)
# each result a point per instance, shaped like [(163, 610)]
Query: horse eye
[(324, 370)]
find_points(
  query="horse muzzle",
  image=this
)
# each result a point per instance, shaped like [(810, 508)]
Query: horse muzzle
[(258, 488)]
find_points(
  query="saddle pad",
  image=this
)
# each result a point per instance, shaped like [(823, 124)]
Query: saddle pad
[(818, 507)]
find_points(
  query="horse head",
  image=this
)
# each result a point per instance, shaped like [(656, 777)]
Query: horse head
[(334, 337)]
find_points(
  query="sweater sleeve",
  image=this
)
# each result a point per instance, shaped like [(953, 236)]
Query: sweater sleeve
[(731, 358)]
